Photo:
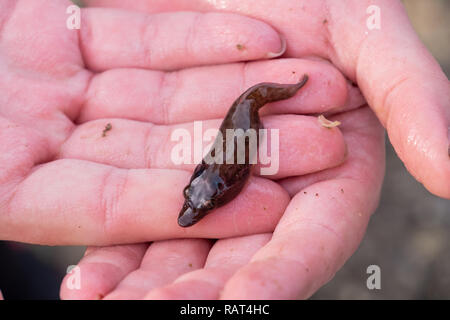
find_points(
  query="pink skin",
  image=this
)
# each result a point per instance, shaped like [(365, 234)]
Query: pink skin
[(56, 189), (399, 78), (329, 210), (320, 228), (52, 199)]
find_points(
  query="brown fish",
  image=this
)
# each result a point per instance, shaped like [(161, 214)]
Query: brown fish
[(214, 184)]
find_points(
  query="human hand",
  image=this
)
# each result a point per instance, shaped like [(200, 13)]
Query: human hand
[(107, 271), (58, 183), (321, 227), (272, 273), (399, 78)]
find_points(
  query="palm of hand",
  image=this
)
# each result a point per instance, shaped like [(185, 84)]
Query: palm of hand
[(137, 271), (322, 222)]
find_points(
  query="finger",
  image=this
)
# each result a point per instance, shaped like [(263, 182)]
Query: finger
[(410, 93), (163, 262), (311, 39), (100, 270), (300, 144), (112, 38), (320, 228), (208, 92), (225, 257), (81, 202)]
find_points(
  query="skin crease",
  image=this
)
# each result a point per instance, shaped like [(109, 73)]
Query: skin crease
[(65, 180), (285, 267), (36, 122), (213, 185), (407, 67)]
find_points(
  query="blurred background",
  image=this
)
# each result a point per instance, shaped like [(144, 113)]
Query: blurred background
[(408, 237)]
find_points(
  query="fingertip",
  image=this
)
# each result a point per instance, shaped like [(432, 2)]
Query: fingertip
[(93, 283), (250, 39), (266, 280), (173, 40), (280, 52), (419, 132), (325, 147), (438, 180)]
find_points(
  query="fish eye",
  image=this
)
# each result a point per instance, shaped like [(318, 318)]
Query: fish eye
[(186, 192)]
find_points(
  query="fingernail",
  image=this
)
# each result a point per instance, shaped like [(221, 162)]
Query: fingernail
[(283, 49)]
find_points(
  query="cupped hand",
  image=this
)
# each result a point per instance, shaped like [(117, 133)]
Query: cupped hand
[(314, 237), (401, 81), (64, 179), (339, 197), (86, 118)]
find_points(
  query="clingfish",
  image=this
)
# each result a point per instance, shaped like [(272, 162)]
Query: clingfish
[(215, 183)]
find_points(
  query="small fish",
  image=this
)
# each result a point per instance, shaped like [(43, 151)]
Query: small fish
[(212, 185)]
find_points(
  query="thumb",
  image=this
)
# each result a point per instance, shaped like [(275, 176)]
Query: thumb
[(404, 85)]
